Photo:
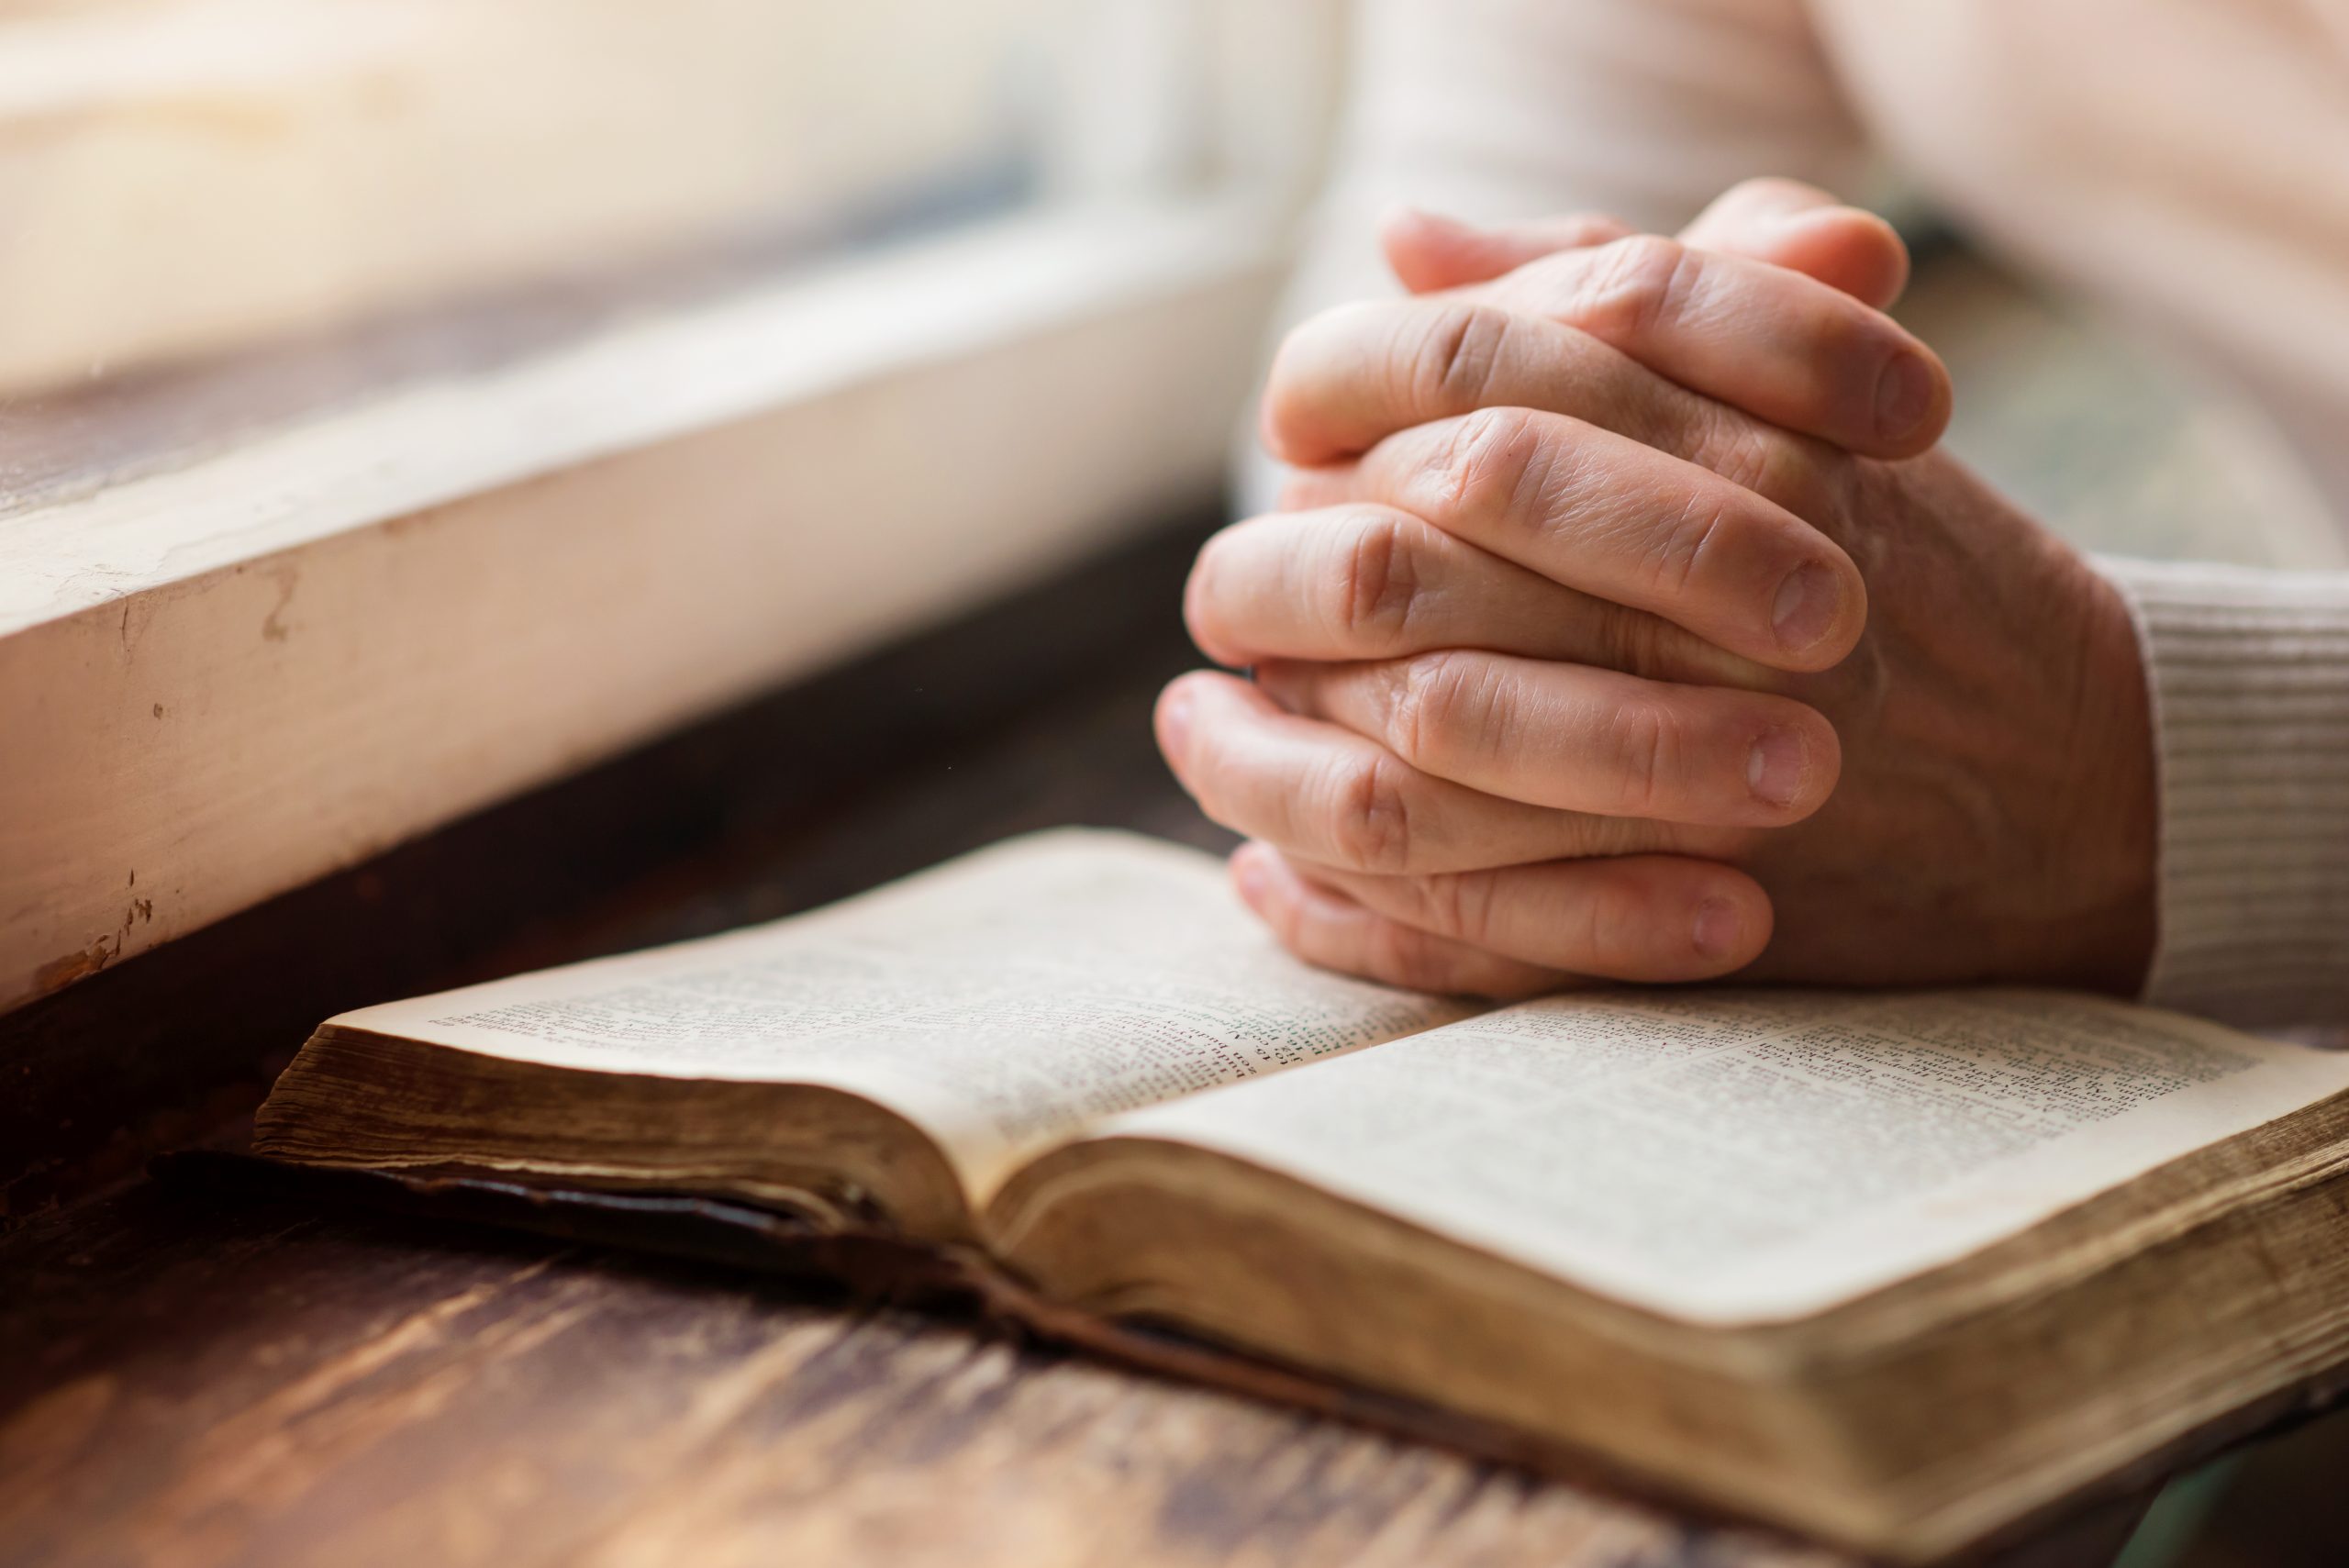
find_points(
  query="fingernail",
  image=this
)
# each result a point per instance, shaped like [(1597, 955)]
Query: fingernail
[(1904, 396), (1806, 608), (1775, 768), (1174, 723), (1716, 927)]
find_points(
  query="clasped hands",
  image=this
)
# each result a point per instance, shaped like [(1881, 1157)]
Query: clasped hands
[(1621, 621)]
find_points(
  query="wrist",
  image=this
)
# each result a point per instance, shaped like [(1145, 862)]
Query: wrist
[(2118, 803)]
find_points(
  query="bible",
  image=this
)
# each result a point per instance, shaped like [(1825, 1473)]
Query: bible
[(1904, 1271)]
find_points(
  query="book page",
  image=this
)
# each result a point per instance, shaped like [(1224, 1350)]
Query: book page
[(1727, 1157), (1000, 1001)]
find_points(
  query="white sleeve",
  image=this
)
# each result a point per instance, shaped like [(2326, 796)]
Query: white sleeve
[(2249, 672), (1495, 109)]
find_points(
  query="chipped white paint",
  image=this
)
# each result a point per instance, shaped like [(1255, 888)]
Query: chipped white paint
[(218, 683)]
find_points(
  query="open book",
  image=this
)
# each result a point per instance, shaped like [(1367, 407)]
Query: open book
[(1897, 1270)]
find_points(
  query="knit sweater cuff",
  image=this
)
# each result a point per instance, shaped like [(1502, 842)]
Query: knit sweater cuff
[(2249, 676)]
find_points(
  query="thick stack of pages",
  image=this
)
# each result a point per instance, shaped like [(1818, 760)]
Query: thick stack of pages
[(1901, 1271)]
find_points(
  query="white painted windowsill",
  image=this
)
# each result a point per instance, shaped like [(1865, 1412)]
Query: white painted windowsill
[(220, 681)]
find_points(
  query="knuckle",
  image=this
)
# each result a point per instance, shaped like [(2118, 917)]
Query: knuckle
[(1460, 357), (1375, 585), (1406, 717), (1371, 826), (1635, 284), (1615, 926), (1772, 463), (1439, 700), (1630, 640), (1646, 743), (1602, 837), (1684, 542), (1492, 457), (1462, 906)]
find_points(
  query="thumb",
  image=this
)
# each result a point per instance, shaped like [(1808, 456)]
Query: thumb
[(1430, 251), (1804, 229), (1783, 222)]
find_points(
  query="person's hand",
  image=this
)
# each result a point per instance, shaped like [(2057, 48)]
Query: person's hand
[(1615, 629)]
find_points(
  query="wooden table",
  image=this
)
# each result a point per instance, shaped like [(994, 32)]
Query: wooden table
[(218, 1383), (191, 1379)]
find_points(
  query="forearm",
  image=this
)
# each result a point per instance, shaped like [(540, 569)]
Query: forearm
[(2249, 674)]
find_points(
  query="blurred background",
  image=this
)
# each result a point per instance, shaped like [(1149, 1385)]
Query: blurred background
[(185, 176), (184, 183)]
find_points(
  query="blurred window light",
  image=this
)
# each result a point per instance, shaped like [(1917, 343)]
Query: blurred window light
[(183, 178)]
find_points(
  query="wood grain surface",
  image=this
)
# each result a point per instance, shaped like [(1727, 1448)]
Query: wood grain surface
[(196, 1383)]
